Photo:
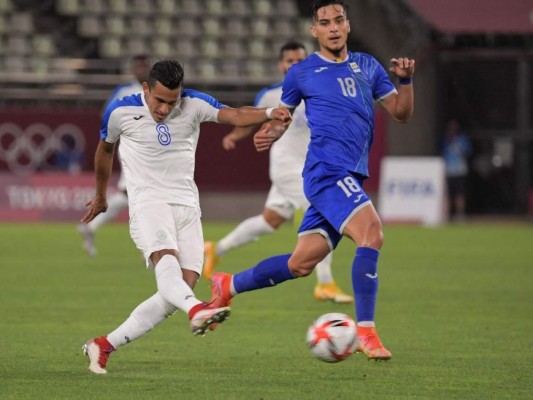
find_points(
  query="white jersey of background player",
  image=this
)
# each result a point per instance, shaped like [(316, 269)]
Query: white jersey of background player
[(286, 195), (158, 130), (140, 67)]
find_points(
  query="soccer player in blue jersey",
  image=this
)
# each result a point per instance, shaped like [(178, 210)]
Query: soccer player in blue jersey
[(286, 195), (339, 88), (158, 131)]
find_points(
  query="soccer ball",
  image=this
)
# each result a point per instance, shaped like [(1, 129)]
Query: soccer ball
[(332, 337)]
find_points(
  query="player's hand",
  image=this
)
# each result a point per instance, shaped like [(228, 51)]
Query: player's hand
[(402, 67), (229, 142), (96, 206), (268, 134), (282, 114)]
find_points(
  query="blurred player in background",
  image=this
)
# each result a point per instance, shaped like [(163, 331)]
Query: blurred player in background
[(158, 131), (339, 88), (456, 149), (140, 68), (287, 157)]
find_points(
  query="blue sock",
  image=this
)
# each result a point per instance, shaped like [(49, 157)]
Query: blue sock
[(365, 282), (267, 273)]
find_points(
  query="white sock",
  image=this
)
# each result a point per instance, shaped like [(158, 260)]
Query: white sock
[(247, 231), (323, 270), (115, 205), (171, 285), (142, 320), (366, 324)]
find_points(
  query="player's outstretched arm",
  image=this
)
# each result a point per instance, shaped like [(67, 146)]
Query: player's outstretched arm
[(401, 106), (245, 116), (103, 162), (229, 142)]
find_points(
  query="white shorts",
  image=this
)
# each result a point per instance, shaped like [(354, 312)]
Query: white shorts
[(286, 196), (160, 226)]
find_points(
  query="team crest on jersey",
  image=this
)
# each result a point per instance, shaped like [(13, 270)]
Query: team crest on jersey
[(355, 67)]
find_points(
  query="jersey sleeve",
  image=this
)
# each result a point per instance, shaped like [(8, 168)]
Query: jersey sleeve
[(291, 94), (206, 106), (110, 128), (382, 85)]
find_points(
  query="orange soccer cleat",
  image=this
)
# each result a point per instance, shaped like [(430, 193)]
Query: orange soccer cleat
[(369, 343)]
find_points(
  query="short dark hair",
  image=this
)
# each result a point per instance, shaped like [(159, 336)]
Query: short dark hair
[(169, 73), (318, 4), (290, 46)]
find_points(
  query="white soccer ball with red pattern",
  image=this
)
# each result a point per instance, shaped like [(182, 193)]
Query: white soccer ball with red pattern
[(332, 337)]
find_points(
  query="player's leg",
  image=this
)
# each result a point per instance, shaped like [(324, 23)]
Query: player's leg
[(326, 287), (116, 203), (275, 213), (365, 228), (310, 249), (142, 320)]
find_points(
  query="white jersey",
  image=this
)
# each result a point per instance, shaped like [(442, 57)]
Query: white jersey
[(158, 159), (287, 155)]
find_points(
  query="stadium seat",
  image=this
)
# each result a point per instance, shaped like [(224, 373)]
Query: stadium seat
[(68, 7), (118, 7), (6, 6), (135, 45), (260, 27), (262, 8), (167, 7), (191, 7), (164, 26), (162, 47), (115, 25), (210, 48), (215, 7), (18, 45), (21, 22), (90, 26), (234, 49), (211, 26), (286, 8), (239, 8), (140, 26), (206, 71), (110, 47), (43, 45), (187, 27), (185, 49), (142, 7)]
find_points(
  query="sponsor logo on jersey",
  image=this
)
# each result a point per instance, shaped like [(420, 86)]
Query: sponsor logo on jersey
[(321, 69), (355, 67), (138, 118)]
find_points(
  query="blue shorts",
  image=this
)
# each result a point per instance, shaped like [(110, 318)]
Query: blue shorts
[(335, 194)]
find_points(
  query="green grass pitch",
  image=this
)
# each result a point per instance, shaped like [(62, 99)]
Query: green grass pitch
[(455, 308)]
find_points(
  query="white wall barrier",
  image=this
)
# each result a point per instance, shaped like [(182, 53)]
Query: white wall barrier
[(412, 189)]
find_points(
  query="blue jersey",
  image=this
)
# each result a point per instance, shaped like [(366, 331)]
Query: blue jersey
[(339, 99)]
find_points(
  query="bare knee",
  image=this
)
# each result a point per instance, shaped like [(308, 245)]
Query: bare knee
[(301, 268)]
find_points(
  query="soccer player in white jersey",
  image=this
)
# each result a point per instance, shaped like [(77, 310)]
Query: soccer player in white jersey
[(158, 131), (140, 68), (286, 194), (339, 88)]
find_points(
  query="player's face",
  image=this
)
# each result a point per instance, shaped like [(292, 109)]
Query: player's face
[(161, 100), (331, 28), (291, 57)]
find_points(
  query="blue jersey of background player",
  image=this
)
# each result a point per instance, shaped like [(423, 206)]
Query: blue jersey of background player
[(339, 89)]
